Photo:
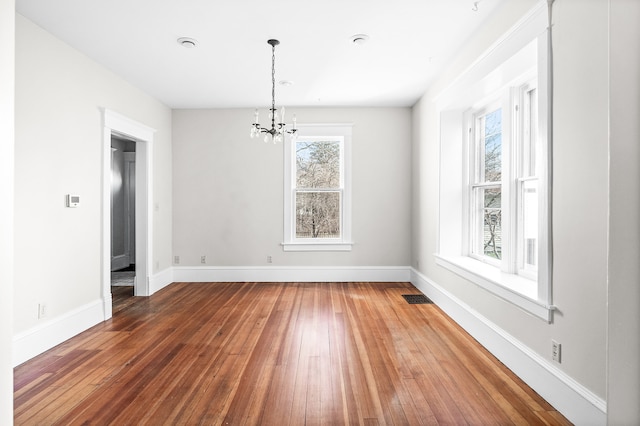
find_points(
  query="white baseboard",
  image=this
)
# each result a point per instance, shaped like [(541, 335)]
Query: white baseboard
[(291, 274), (119, 262), (569, 397), (160, 280), (50, 333), (574, 401)]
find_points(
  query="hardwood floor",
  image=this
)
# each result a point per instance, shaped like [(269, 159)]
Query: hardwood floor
[(122, 298), (274, 354)]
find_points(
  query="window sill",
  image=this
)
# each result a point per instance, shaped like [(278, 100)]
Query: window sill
[(513, 288), (317, 246)]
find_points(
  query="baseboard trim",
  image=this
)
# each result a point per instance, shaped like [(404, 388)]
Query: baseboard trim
[(160, 280), (50, 333), (577, 403), (291, 274), (120, 262), (574, 401)]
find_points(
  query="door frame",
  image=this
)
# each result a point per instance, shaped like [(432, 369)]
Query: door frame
[(119, 125)]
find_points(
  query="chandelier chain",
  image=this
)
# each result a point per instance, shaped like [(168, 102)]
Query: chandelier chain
[(273, 85)]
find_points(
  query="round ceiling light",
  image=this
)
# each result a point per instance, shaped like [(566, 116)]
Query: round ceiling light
[(359, 39), (187, 42)]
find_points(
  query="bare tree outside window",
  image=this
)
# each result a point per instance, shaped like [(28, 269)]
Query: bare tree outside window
[(318, 189), (492, 172)]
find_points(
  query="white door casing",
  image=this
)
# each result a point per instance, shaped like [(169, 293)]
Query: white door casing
[(117, 124)]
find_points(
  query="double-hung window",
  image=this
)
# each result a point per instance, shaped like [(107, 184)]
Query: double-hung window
[(503, 184), (494, 223), (317, 189)]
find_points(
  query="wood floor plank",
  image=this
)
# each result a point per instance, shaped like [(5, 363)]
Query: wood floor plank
[(274, 354)]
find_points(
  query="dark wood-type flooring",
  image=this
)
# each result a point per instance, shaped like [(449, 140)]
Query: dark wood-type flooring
[(274, 354)]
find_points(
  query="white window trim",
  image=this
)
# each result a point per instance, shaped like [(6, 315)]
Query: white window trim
[(477, 83), (291, 243)]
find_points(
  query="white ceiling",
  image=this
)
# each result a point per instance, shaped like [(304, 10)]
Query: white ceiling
[(410, 42)]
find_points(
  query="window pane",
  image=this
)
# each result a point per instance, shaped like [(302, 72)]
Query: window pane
[(318, 214), (318, 164), (530, 223), (492, 223), (492, 146)]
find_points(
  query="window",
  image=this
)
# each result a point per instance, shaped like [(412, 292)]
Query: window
[(317, 189), (494, 225), (486, 186), (503, 196)]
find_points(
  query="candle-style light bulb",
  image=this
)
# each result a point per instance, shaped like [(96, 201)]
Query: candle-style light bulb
[(282, 115), (294, 121), (255, 116)]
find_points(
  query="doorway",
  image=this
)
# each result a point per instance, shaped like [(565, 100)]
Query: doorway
[(119, 127), (123, 219)]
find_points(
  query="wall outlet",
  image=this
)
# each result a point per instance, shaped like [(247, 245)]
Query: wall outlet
[(556, 351), (176, 260), (42, 310), (269, 259), (203, 259)]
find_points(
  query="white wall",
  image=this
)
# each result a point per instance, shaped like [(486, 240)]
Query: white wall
[(623, 387), (580, 193), (7, 62), (59, 129), (228, 189)]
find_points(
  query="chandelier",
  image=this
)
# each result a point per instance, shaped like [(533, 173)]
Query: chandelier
[(278, 128)]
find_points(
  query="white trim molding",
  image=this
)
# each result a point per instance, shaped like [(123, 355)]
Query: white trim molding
[(291, 274), (339, 133), (573, 400), (510, 287), (46, 335), (119, 262), (120, 125), (160, 280)]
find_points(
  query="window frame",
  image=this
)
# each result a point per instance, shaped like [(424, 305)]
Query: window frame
[(318, 133)]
